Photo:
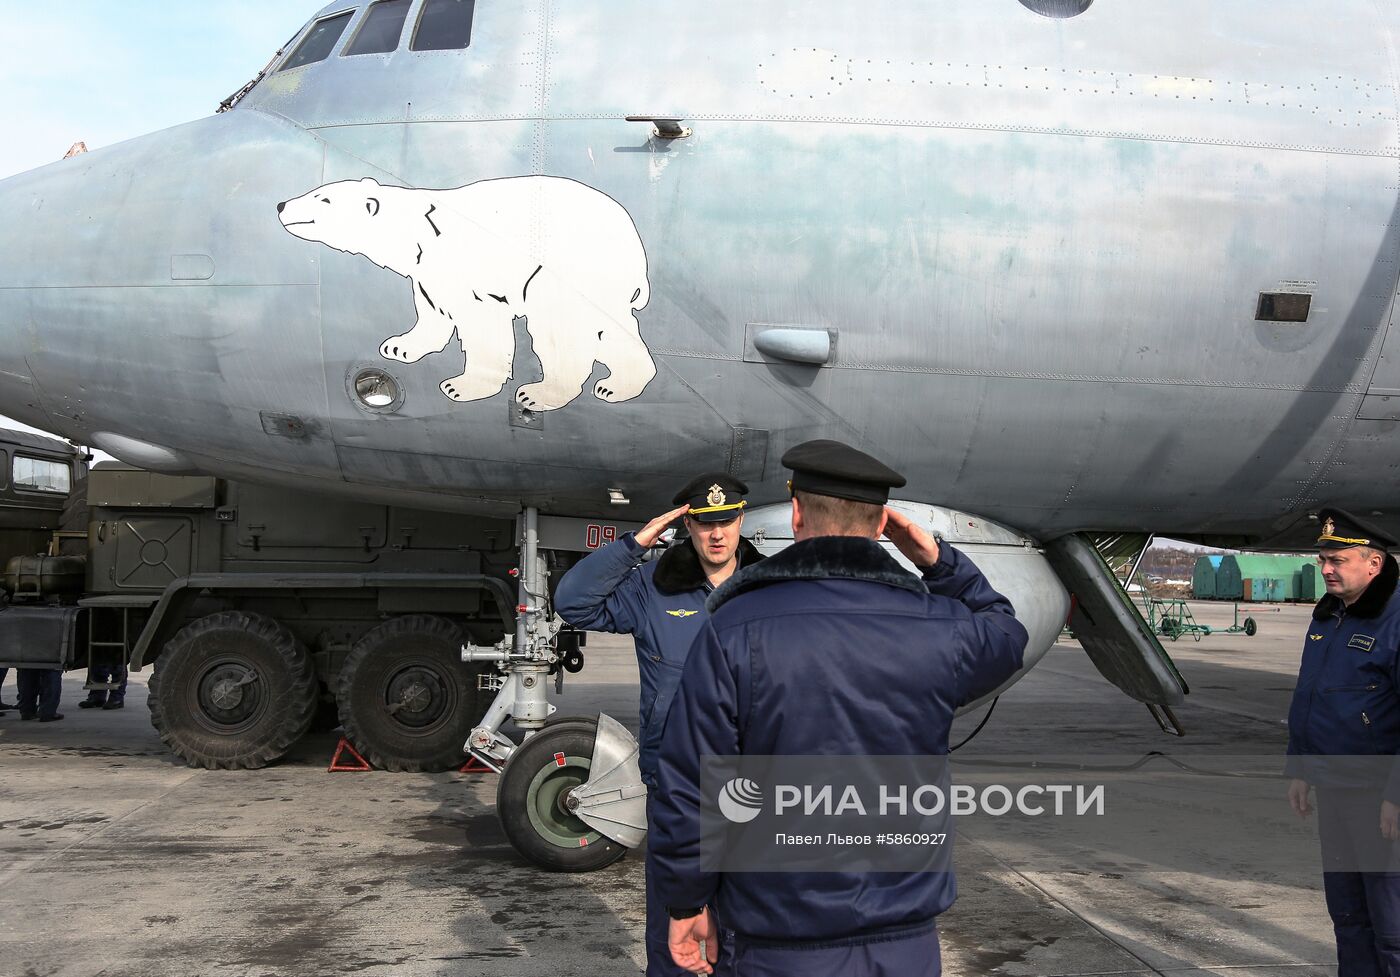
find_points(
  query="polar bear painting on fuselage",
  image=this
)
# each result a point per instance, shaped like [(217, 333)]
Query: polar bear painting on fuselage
[(560, 253)]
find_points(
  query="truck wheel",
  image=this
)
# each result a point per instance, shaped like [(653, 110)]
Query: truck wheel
[(407, 701), (531, 800), (232, 690)]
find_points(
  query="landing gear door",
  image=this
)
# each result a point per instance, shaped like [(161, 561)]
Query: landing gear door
[(1114, 634)]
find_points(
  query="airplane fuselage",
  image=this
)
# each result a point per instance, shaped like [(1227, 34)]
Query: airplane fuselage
[(1051, 261)]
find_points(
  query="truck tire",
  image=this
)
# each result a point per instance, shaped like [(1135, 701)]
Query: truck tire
[(232, 690), (406, 700), (530, 795)]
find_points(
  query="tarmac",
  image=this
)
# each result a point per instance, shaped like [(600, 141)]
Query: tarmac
[(116, 859)]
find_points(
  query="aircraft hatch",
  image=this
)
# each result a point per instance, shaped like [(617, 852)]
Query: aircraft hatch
[(1113, 632)]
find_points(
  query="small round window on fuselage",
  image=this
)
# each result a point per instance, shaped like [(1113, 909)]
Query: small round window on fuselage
[(1058, 9)]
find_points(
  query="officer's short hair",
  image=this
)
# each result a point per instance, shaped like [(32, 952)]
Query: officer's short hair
[(1365, 552), (1369, 551), (827, 515)]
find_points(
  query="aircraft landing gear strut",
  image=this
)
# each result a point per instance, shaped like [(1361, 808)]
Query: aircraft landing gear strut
[(571, 796)]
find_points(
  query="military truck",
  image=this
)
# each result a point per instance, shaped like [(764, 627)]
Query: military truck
[(269, 611), (42, 484)]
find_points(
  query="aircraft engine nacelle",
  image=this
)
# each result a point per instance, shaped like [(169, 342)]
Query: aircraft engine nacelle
[(1012, 562)]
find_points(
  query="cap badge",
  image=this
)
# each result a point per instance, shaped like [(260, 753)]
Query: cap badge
[(716, 496), (1329, 527)]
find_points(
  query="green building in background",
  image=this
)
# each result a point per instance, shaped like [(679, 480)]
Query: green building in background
[(1310, 586), (1261, 578), (1203, 584)]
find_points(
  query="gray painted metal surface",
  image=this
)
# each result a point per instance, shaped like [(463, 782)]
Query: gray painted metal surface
[(614, 800), (1039, 244)]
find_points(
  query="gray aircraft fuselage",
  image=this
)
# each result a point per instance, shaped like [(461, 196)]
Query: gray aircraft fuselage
[(1026, 254)]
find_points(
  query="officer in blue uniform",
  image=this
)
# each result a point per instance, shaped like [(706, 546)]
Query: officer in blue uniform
[(827, 648), (39, 691), (105, 673), (661, 603), (1347, 705)]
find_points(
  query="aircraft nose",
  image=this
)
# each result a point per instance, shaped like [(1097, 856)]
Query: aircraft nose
[(280, 205)]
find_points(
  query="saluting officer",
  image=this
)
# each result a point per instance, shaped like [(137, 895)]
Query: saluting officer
[(1347, 705), (662, 605), (827, 648)]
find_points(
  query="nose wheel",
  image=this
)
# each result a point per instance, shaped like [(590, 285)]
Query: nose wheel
[(538, 800)]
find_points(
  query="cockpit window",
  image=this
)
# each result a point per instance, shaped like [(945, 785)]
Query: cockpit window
[(319, 41), (381, 28), (444, 25)]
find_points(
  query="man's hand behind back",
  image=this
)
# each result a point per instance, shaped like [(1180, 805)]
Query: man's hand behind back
[(686, 939), (1298, 797)]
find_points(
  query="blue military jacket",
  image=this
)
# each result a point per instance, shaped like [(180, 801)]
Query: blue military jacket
[(660, 603), (1347, 701), (827, 648)]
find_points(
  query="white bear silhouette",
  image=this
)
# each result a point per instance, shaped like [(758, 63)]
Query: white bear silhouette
[(560, 253)]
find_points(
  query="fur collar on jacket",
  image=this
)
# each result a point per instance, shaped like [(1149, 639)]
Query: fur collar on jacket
[(821, 558), (1373, 599), (678, 570)]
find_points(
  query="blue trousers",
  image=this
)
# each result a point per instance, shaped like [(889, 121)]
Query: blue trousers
[(912, 954), (39, 689), (105, 674), (659, 962), (1364, 905), (658, 928)]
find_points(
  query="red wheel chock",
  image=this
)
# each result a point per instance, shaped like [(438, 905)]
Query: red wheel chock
[(339, 764), (473, 765)]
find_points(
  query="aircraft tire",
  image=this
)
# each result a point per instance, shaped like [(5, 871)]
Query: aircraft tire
[(232, 690), (406, 700), (530, 794), (1250, 627)]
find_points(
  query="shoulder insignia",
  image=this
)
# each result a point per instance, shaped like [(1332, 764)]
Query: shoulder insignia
[(682, 613), (1362, 641)]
